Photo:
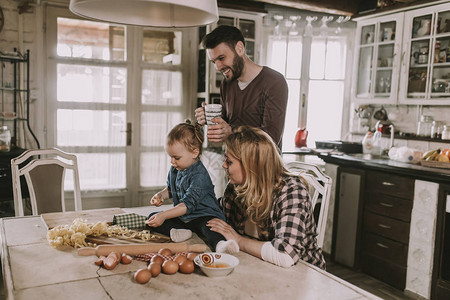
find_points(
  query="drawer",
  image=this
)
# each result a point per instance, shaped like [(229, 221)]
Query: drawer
[(387, 272), (387, 227), (389, 250), (388, 206), (388, 184)]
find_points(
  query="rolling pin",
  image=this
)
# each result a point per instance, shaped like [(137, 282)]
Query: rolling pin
[(135, 249)]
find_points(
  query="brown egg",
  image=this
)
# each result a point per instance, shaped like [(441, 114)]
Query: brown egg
[(142, 276), (192, 255), (154, 268), (187, 266), (157, 259), (170, 267), (180, 258), (165, 251), (126, 259)]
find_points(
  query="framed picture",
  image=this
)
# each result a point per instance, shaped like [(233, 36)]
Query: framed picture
[(214, 98)]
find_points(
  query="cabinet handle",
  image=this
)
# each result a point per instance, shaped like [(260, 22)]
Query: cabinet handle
[(384, 226), (387, 183), (386, 204), (382, 245)]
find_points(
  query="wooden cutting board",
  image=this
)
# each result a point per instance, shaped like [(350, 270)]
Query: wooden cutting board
[(93, 216)]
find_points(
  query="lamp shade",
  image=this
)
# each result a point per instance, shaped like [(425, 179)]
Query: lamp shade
[(154, 13)]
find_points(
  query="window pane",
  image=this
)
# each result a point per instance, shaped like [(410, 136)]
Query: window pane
[(294, 58), (101, 171), (317, 65), (277, 59), (161, 47), (155, 127), (324, 110), (154, 168), (90, 128), (161, 87), (88, 39), (82, 83), (292, 111), (335, 59)]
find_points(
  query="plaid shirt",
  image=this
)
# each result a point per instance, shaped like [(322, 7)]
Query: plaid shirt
[(290, 226)]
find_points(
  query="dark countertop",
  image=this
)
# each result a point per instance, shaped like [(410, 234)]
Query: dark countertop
[(385, 164)]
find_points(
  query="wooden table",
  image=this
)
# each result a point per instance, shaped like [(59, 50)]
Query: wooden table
[(34, 270)]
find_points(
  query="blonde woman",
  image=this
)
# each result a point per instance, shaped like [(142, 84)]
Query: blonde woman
[(267, 209)]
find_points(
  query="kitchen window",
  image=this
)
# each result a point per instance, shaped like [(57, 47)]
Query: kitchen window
[(315, 69), (114, 94)]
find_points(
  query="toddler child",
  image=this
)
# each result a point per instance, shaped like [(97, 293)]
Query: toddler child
[(191, 188)]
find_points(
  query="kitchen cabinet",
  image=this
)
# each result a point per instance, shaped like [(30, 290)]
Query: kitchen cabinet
[(377, 59), (348, 207), (441, 269), (425, 68), (388, 202)]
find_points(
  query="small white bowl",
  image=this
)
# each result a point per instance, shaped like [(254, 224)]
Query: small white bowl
[(207, 261)]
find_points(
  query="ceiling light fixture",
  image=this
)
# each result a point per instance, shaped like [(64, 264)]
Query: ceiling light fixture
[(153, 13)]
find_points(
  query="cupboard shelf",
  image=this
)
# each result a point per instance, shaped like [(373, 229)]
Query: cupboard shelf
[(18, 61)]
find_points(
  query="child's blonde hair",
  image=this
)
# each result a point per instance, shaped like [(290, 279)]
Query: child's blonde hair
[(188, 135), (263, 168)]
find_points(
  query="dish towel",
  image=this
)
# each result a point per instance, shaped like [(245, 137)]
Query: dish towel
[(130, 220)]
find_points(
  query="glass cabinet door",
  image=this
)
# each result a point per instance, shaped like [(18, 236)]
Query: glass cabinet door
[(378, 62), (440, 80), (427, 65)]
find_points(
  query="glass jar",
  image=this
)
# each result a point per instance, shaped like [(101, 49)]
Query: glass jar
[(424, 125), (446, 132), (436, 129), (5, 139)]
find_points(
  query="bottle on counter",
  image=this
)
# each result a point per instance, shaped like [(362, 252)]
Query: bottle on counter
[(367, 143), (436, 129), (446, 132), (5, 139), (424, 125), (377, 147)]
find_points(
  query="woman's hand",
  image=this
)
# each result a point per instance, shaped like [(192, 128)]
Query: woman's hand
[(157, 200), (156, 220), (224, 229)]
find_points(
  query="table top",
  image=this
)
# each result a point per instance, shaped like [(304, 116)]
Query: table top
[(32, 269)]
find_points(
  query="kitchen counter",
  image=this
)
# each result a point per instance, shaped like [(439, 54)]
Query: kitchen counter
[(34, 270), (385, 164)]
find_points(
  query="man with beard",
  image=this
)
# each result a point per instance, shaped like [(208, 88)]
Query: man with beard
[(250, 94)]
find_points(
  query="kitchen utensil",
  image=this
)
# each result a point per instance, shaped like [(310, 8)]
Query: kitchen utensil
[(380, 114), (300, 137), (134, 249), (210, 263)]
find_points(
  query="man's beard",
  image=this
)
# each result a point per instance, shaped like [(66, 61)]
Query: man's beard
[(236, 68)]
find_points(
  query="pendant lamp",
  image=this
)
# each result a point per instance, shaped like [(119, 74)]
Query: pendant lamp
[(153, 13)]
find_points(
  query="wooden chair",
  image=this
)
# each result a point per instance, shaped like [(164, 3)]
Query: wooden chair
[(319, 189), (44, 174)]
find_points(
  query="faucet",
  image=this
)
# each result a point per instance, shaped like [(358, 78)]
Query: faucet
[(391, 141)]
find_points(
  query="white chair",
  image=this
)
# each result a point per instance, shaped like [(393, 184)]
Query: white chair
[(320, 188), (44, 173)]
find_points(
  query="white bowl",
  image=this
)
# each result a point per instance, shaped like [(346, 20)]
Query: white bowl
[(208, 263)]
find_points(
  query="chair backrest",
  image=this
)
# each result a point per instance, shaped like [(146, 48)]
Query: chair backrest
[(44, 174), (319, 188)]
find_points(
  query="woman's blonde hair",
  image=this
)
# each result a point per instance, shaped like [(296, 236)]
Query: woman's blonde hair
[(263, 168), (189, 135)]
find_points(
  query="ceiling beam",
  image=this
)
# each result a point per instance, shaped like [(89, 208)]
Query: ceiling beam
[(340, 7)]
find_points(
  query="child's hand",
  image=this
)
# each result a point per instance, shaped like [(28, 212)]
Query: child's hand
[(156, 200), (155, 220)]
